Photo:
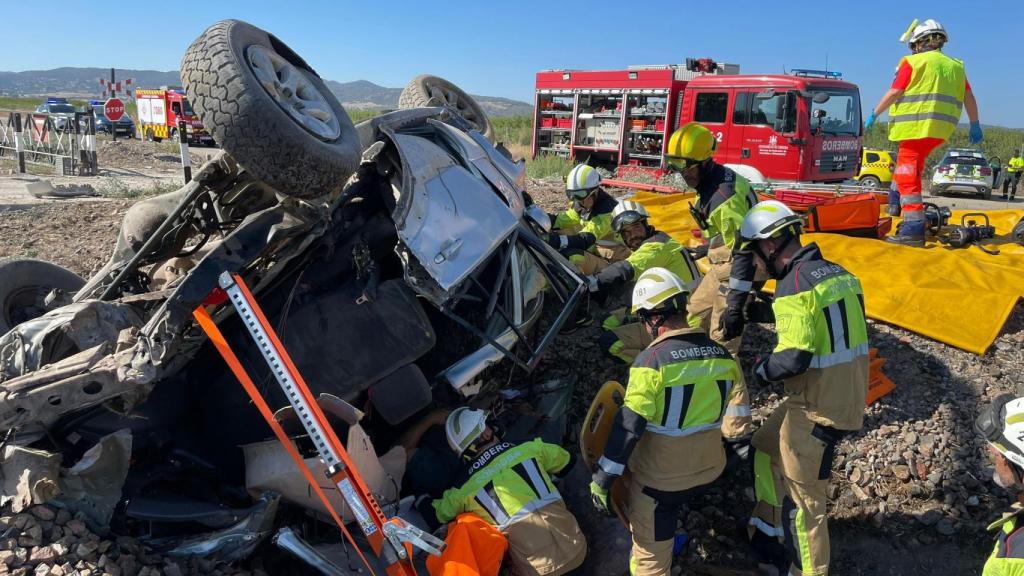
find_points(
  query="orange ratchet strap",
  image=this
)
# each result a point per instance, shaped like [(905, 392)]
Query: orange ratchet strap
[(390, 539)]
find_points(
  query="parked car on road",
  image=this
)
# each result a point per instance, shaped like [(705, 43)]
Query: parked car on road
[(62, 112), (876, 168), (962, 170), (125, 126)]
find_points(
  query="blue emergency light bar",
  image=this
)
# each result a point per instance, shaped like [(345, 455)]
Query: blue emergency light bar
[(54, 100), (96, 102), (816, 73)]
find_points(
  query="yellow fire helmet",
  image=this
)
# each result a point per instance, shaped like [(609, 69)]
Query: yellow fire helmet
[(689, 144)]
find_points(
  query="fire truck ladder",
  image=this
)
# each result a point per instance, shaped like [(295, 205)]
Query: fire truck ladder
[(391, 539)]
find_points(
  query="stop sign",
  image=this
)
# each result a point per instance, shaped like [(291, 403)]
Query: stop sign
[(113, 109)]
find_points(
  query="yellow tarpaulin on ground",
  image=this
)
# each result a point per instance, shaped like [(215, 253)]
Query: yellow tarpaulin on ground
[(958, 296)]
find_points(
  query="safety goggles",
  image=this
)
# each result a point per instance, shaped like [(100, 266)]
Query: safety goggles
[(580, 194), (678, 164)]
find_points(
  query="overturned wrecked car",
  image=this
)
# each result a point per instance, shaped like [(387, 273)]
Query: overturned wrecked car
[(398, 259)]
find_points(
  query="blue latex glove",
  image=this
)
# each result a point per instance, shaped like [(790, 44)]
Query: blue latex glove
[(870, 120), (975, 133)]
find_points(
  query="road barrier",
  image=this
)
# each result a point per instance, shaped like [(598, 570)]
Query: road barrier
[(66, 143)]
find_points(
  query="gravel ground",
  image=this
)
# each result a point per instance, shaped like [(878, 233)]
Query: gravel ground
[(911, 492)]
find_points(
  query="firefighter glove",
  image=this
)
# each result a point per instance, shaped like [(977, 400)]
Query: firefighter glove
[(732, 322), (599, 497), (975, 132), (870, 120), (558, 241), (760, 376), (591, 283), (698, 252)]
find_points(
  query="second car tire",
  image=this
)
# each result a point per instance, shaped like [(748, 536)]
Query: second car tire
[(269, 110), (427, 90), (24, 283)]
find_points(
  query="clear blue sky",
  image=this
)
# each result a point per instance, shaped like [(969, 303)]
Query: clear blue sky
[(494, 48)]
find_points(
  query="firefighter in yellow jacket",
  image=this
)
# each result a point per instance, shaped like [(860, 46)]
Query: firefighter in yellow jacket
[(720, 302), (510, 486), (624, 337), (1002, 425), (668, 431), (822, 360), (924, 102), (583, 232)]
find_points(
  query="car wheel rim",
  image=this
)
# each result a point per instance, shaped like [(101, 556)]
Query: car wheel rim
[(293, 92), (21, 305), (445, 96)]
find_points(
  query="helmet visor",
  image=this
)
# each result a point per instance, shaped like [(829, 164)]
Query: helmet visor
[(679, 164), (625, 220)]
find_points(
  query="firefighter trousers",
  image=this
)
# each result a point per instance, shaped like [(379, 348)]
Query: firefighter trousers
[(910, 159), (624, 337), (792, 466), (705, 308), (653, 517), (590, 263)]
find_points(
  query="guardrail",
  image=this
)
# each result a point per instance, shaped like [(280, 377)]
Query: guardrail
[(66, 143)]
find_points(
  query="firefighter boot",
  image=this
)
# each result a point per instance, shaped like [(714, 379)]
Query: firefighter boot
[(911, 233)]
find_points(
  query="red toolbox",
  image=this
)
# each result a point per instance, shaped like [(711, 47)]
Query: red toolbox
[(565, 123)]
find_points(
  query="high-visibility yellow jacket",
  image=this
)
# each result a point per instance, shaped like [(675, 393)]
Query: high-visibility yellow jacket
[(1007, 558), (668, 431), (505, 483), (586, 230), (931, 104), (1016, 164), (658, 251), (822, 351)]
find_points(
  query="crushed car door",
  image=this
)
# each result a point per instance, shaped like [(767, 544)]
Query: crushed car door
[(448, 218)]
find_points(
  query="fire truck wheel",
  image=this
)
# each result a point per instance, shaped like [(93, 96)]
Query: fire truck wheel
[(427, 90), (269, 110), (24, 284)]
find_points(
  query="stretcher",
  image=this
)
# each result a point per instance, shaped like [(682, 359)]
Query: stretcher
[(597, 427)]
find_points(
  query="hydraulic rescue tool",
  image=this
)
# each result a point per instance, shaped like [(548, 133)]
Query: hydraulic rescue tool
[(970, 232)]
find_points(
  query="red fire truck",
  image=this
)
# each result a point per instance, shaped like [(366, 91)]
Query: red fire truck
[(803, 126), (159, 112)]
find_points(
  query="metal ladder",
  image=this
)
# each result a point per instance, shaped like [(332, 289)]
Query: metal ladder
[(391, 539)]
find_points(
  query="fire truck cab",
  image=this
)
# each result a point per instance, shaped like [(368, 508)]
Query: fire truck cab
[(160, 111), (802, 126)]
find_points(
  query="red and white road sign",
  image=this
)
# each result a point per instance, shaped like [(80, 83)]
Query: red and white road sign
[(113, 109)]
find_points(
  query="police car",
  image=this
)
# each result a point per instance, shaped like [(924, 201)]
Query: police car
[(965, 171)]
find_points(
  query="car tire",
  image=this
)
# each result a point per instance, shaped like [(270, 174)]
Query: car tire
[(427, 90), (870, 182), (24, 283), (985, 194), (269, 110)]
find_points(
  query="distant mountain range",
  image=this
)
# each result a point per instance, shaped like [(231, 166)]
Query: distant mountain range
[(84, 83)]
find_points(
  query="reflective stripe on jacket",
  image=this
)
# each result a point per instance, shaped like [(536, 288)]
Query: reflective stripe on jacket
[(723, 200), (595, 228), (657, 251), (505, 483), (822, 351), (678, 391), (1007, 558), (931, 104)]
